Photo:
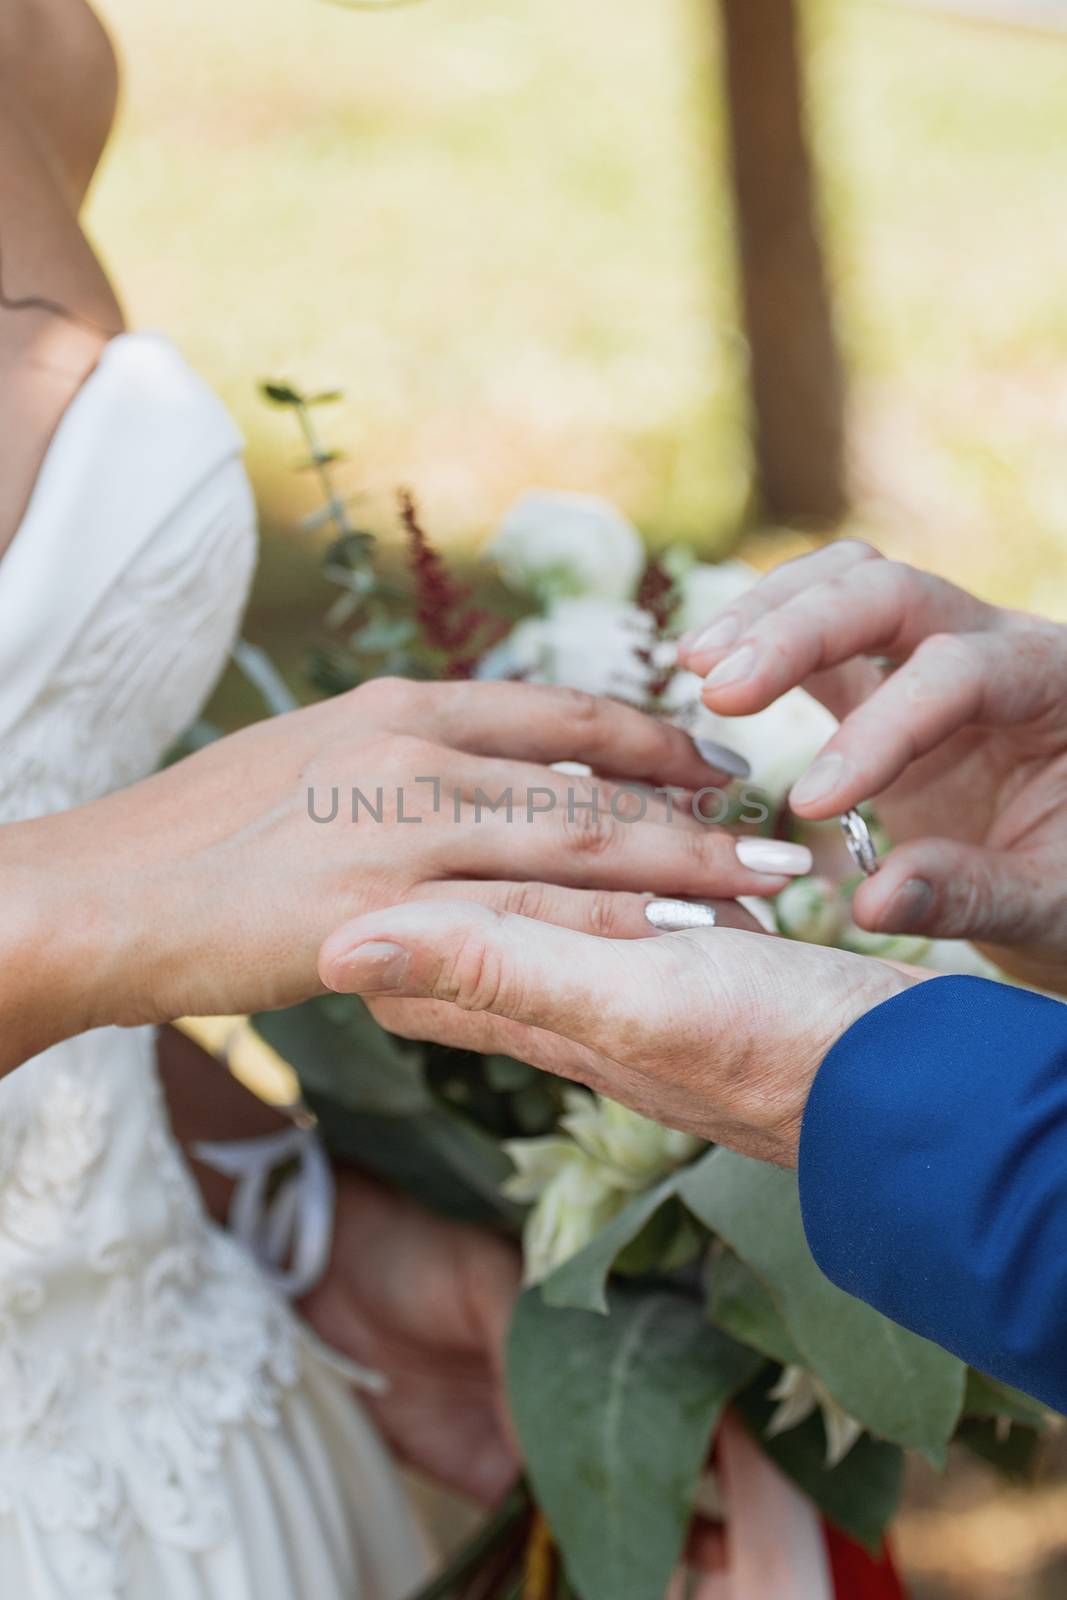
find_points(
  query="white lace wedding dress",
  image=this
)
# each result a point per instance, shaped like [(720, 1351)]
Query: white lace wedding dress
[(166, 1430)]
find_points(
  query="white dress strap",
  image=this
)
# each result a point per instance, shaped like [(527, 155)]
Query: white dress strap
[(142, 434)]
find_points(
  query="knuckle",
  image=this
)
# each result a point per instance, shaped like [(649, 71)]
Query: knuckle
[(942, 650), (526, 900), (603, 913), (386, 696), (473, 977), (859, 550), (590, 833), (586, 715)]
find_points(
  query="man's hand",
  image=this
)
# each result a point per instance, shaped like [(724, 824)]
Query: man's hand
[(717, 1031), (953, 718)]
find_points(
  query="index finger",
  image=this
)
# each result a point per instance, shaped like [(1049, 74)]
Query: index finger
[(546, 723)]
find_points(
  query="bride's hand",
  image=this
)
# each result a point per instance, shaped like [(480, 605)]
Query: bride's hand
[(717, 1031), (208, 888), (426, 1303), (953, 718)]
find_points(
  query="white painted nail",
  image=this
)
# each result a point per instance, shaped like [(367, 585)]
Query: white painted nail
[(734, 669), (774, 856), (672, 916), (722, 758)]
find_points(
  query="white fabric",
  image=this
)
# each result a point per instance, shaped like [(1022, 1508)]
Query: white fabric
[(167, 1431)]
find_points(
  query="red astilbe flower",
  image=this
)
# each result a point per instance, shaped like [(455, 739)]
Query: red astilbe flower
[(450, 625), (657, 594)]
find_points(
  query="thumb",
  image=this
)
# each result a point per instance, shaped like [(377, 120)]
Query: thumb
[(957, 891), (488, 961)]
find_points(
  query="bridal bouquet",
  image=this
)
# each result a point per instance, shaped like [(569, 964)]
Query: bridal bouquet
[(665, 1279)]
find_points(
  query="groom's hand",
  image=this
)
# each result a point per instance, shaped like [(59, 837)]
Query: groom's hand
[(716, 1031)]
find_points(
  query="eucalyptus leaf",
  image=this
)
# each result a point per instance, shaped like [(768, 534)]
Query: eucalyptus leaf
[(581, 1282), (741, 1305), (615, 1415), (988, 1397), (410, 1154), (860, 1495), (899, 1386), (340, 1053)]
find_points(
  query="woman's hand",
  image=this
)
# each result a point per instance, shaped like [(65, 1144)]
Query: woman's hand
[(953, 718), (426, 1303), (718, 1031), (210, 887)]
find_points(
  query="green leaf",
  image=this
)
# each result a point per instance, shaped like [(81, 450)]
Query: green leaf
[(281, 394), (1014, 1454), (741, 1305), (444, 1171), (581, 1282), (988, 1397), (326, 397), (901, 1387), (505, 1075), (860, 1495), (340, 1053), (615, 1414), (668, 1241)]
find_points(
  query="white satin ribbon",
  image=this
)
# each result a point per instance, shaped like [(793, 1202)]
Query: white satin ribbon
[(287, 1229)]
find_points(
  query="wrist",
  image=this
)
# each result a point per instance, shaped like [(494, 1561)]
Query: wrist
[(60, 945)]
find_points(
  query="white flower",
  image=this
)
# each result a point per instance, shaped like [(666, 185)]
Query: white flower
[(602, 646), (705, 590), (811, 909), (799, 1392), (636, 1150), (553, 543), (578, 1183), (575, 1199), (779, 743)]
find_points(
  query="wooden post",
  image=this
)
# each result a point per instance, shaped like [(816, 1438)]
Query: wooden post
[(797, 383)]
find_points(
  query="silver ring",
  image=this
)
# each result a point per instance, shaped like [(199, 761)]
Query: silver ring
[(860, 843), (675, 916)]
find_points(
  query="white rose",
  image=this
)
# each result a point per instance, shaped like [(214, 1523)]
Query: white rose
[(552, 544), (705, 590), (602, 646), (779, 743)]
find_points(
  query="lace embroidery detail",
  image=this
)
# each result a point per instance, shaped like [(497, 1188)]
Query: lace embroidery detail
[(133, 1335)]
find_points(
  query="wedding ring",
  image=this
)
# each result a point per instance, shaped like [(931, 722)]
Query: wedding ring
[(674, 916), (859, 841)]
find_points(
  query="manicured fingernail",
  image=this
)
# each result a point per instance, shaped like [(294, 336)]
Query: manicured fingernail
[(672, 916), (722, 758), (733, 669), (774, 856), (907, 908), (372, 968), (821, 778), (717, 636)]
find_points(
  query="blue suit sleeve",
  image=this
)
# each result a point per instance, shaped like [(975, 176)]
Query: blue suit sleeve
[(933, 1173)]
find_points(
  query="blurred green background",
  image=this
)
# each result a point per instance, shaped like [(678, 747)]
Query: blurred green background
[(507, 233)]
